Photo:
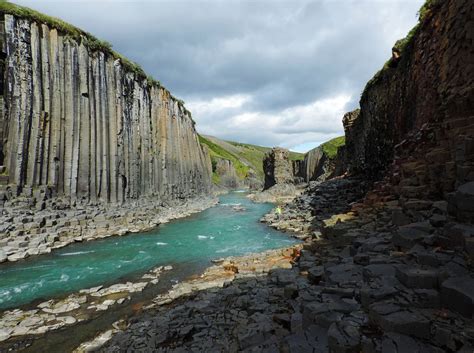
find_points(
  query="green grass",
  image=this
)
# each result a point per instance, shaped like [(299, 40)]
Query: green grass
[(426, 9), (81, 36), (218, 152), (330, 147), (254, 155), (216, 179), (404, 45), (248, 157), (296, 156)]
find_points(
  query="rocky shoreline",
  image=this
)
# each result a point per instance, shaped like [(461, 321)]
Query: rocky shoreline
[(87, 304), (221, 275), (373, 276), (25, 231), (21, 325)]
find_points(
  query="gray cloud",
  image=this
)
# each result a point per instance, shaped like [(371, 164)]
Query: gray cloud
[(282, 56)]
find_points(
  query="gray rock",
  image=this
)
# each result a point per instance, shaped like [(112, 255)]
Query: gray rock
[(458, 294), (465, 197), (324, 314), (377, 271), (411, 234), (396, 343), (344, 337), (392, 318), (417, 277), (399, 218), (426, 298), (316, 274), (362, 259), (344, 274)]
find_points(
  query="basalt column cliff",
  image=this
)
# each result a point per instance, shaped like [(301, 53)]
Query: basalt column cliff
[(79, 124), (416, 114)]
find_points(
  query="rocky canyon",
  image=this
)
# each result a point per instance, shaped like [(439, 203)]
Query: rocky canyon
[(379, 247)]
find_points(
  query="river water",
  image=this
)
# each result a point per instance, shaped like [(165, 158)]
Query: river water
[(228, 229)]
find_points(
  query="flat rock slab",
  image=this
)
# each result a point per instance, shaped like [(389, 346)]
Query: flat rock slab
[(395, 319), (411, 234), (344, 274), (344, 337), (378, 271), (457, 294), (417, 277), (396, 343)]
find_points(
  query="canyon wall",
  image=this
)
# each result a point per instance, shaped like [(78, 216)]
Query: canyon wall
[(225, 169), (76, 123), (417, 114), (313, 164)]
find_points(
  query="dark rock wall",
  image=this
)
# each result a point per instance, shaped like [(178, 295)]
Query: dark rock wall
[(74, 123), (314, 162), (317, 166), (419, 114)]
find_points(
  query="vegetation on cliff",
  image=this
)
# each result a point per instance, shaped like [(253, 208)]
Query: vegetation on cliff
[(402, 46), (245, 157), (89, 40), (217, 152), (330, 147)]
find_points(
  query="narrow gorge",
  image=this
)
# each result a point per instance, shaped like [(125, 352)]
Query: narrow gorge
[(87, 141), (365, 243)]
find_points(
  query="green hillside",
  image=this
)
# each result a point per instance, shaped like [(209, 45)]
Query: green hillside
[(330, 147), (215, 150), (245, 157)]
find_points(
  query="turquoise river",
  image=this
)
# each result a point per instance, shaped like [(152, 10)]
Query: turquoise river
[(189, 243)]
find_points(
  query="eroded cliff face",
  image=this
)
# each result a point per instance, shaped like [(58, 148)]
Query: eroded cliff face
[(226, 171), (278, 167), (75, 123), (416, 116)]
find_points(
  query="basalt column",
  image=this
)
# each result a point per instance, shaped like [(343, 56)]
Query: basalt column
[(76, 122)]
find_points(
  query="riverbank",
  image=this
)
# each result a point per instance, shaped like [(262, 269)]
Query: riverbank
[(42, 316), (90, 303), (193, 293), (27, 232), (377, 274)]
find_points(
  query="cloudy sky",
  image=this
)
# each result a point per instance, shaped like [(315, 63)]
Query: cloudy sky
[(267, 72)]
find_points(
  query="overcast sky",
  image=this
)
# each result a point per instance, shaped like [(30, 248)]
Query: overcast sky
[(263, 72)]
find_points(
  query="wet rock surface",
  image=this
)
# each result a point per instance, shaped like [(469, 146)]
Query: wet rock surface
[(354, 287)]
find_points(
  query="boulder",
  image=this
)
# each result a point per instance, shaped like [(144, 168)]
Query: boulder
[(416, 277), (392, 318), (411, 234), (344, 337), (457, 294), (316, 274)]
